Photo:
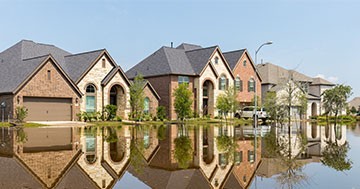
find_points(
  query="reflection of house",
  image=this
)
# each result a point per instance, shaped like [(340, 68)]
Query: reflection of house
[(51, 82), (65, 157), (208, 166), (204, 69), (275, 78), (246, 75)]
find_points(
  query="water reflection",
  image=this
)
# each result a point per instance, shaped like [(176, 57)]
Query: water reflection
[(169, 156)]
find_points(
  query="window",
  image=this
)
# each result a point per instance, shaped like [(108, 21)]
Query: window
[(238, 84), (238, 157), (146, 105), (251, 85), (103, 63), (90, 98), (183, 79), (223, 160), (244, 63), (251, 156), (223, 83), (216, 60), (49, 75)]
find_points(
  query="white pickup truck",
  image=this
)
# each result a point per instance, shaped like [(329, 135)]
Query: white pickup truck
[(248, 112)]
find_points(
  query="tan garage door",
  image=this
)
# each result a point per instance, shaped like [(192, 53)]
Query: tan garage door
[(48, 109)]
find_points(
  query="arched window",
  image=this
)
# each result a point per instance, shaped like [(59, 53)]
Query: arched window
[(216, 60), (90, 98), (251, 85), (223, 82), (238, 84), (146, 105)]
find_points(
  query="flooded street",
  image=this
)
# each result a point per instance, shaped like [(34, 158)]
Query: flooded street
[(181, 156)]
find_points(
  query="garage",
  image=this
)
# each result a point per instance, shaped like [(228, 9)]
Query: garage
[(48, 109)]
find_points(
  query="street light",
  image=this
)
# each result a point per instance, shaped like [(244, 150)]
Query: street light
[(255, 88)]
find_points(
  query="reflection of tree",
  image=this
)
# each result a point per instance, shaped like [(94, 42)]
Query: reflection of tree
[(161, 132), (112, 136), (21, 136), (136, 151), (335, 156), (183, 149)]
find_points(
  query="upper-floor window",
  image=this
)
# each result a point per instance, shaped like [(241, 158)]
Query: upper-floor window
[(216, 60), (146, 105), (251, 85), (183, 79), (223, 82), (244, 63), (305, 86), (238, 84)]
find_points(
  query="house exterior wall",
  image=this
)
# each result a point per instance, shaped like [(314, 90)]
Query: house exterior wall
[(95, 76), (162, 86), (246, 73), (117, 80), (154, 102), (40, 86)]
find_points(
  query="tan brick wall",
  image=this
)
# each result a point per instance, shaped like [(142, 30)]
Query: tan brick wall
[(154, 102), (40, 86), (245, 73)]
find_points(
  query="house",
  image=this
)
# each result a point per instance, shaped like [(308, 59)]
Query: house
[(355, 102), (204, 69), (247, 79), (276, 78), (55, 85)]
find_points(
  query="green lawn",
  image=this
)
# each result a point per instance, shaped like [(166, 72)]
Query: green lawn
[(5, 124)]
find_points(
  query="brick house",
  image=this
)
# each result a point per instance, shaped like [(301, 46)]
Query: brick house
[(246, 76), (55, 85), (204, 69), (151, 101)]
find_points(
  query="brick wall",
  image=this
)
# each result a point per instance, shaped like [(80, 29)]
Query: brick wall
[(40, 86), (245, 73), (154, 102), (8, 111)]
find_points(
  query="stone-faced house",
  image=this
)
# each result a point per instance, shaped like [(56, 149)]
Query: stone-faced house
[(246, 76), (54, 84), (204, 69), (275, 79)]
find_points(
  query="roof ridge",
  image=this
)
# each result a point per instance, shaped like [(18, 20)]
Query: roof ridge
[(87, 52), (235, 51), (36, 57), (202, 48)]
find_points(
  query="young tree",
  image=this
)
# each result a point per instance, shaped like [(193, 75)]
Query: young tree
[(227, 102), (137, 97), (334, 100), (183, 101)]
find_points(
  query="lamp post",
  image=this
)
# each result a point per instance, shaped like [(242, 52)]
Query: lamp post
[(255, 88)]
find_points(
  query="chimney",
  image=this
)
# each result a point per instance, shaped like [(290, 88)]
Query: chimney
[(172, 45)]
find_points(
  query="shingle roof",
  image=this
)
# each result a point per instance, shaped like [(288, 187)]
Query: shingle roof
[(233, 57), (168, 60), (321, 81), (273, 74), (18, 62), (188, 47), (112, 73), (355, 102), (75, 65)]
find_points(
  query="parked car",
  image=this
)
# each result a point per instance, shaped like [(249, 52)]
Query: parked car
[(248, 112)]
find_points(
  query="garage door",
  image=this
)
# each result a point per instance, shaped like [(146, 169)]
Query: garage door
[(48, 109)]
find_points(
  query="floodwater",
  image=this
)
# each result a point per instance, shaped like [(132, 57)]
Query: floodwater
[(181, 156)]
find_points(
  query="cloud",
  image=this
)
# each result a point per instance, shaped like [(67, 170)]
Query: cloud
[(332, 79)]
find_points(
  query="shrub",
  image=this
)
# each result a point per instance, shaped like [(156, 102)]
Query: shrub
[(21, 113), (161, 113), (110, 111), (118, 118)]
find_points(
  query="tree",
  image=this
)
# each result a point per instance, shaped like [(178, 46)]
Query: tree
[(276, 111), (137, 97), (183, 101), (227, 102), (334, 100), (160, 113)]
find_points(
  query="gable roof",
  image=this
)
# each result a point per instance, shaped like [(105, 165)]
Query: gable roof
[(186, 59), (274, 74), (77, 64), (20, 61), (112, 73), (233, 58), (147, 83)]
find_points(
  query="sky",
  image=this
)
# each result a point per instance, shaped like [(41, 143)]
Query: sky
[(314, 37)]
